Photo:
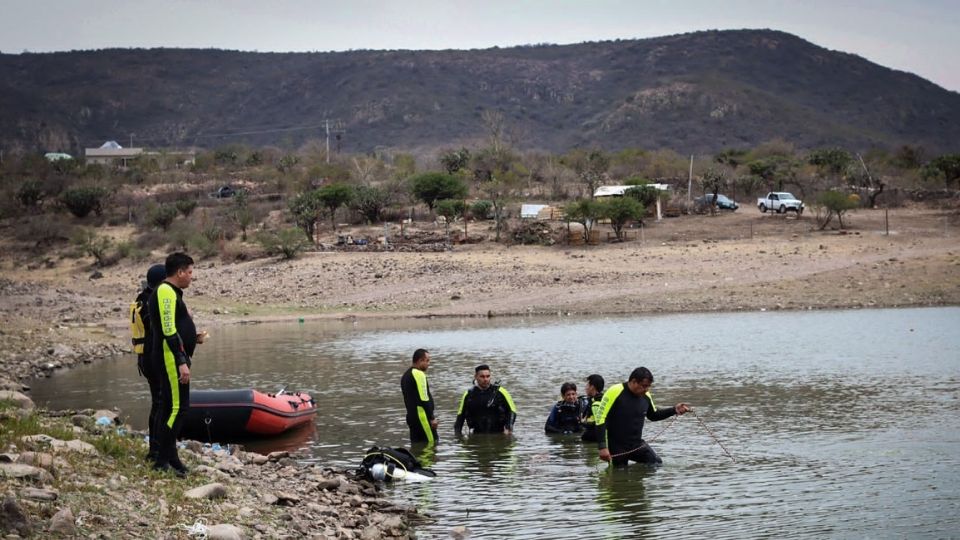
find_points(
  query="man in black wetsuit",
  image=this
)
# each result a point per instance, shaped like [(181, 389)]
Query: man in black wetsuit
[(174, 338), (594, 395), (486, 408), (620, 420), (418, 400), (142, 346)]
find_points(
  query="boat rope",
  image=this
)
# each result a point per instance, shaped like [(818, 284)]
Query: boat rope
[(704, 426)]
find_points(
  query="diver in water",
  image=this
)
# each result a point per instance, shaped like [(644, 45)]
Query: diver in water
[(620, 420), (594, 395), (487, 407), (418, 400), (566, 414)]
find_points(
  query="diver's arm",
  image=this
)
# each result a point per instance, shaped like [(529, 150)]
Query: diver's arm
[(461, 414), (551, 425), (167, 308)]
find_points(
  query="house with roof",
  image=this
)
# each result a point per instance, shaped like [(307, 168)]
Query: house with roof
[(111, 153)]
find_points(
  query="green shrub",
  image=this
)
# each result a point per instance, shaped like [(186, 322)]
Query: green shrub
[(80, 201), (96, 246), (163, 216), (213, 233), (286, 242), (481, 209), (130, 250), (30, 193), (186, 206), (200, 244)]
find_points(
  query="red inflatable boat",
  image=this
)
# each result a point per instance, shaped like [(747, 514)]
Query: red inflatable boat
[(238, 414)]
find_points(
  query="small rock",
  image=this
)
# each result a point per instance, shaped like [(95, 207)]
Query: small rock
[(96, 275), (83, 447), (82, 420), (460, 532), (328, 484), (39, 494), (371, 532), (224, 532), (37, 459), (63, 522), (287, 499), (277, 456), (215, 490)]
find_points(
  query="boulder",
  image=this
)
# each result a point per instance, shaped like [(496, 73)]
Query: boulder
[(21, 401), (111, 416), (21, 471), (13, 519)]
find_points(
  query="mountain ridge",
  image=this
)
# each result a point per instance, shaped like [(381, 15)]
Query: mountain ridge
[(697, 92)]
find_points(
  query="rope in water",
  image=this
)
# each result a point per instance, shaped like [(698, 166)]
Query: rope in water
[(704, 426), (645, 443), (672, 420)]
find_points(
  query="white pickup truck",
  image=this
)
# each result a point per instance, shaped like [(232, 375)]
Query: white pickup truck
[(780, 201)]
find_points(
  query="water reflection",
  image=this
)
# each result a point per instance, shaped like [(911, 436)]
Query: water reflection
[(486, 455), (623, 495)]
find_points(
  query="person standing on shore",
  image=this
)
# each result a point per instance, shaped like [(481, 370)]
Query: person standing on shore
[(487, 407), (142, 344), (174, 340), (418, 400), (620, 420)]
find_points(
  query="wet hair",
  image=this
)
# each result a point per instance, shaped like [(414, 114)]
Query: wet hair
[(480, 368), (176, 262), (567, 386), (641, 374), (419, 354), (596, 381)]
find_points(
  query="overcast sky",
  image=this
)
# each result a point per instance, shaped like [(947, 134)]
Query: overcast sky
[(919, 36)]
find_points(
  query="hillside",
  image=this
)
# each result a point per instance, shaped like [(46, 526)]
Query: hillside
[(698, 92)]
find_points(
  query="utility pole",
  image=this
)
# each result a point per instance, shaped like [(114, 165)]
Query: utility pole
[(690, 179), (338, 130), (131, 140)]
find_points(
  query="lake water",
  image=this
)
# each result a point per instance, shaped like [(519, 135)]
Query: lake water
[(842, 424)]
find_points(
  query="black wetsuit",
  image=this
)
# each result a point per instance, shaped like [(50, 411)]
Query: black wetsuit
[(589, 421), (419, 404), (620, 425), (145, 366), (565, 417), (174, 338), (489, 410)]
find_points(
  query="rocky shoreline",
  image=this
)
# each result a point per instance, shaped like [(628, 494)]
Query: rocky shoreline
[(74, 474)]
